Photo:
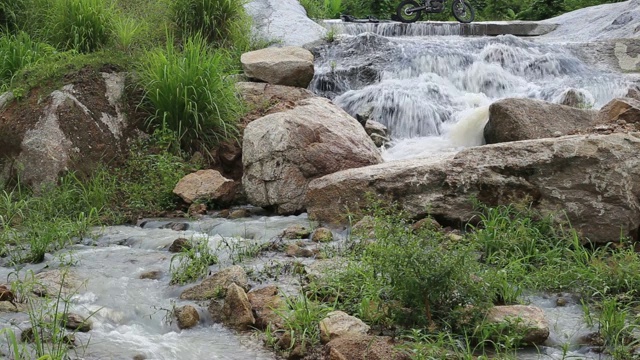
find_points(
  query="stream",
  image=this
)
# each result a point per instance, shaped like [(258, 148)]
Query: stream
[(432, 92)]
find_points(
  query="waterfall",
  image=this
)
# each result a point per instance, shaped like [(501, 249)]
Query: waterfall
[(433, 92)]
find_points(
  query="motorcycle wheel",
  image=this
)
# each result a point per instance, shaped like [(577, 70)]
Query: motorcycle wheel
[(463, 11), (405, 14)]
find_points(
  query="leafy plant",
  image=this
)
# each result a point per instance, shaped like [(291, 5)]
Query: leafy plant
[(190, 93), (192, 263), (81, 25)]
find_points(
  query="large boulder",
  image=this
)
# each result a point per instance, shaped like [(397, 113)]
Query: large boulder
[(70, 129), (626, 109), (593, 180), (282, 152), (524, 119), (284, 21), (290, 66), (529, 321), (205, 185)]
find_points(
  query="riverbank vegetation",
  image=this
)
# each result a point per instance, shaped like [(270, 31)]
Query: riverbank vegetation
[(432, 288), (485, 9)]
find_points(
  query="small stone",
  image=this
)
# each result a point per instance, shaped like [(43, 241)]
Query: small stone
[(322, 235), (236, 311), (338, 323), (151, 275), (294, 250), (215, 286), (197, 209), (76, 322), (238, 214), (296, 232), (180, 245), (223, 213), (6, 294), (561, 301), (187, 317), (177, 226), (206, 185), (427, 223), (139, 357)]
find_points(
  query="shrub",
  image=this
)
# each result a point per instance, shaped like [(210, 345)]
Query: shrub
[(217, 20), (82, 25), (189, 92)]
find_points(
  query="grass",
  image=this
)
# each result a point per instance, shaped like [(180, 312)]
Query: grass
[(17, 52), (218, 21), (434, 289), (190, 93), (192, 263), (82, 25)]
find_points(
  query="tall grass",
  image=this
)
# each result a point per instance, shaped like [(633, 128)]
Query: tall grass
[(18, 51), (81, 25), (189, 92), (219, 21)]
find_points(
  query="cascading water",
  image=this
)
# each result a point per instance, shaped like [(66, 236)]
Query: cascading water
[(433, 92)]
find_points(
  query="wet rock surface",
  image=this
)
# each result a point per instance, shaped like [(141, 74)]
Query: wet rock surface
[(216, 285)]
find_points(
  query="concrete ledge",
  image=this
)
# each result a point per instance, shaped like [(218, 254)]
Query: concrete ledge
[(443, 28)]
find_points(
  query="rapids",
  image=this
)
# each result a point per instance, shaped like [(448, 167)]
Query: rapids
[(433, 92)]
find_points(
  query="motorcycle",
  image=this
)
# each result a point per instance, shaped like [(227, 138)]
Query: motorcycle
[(411, 10)]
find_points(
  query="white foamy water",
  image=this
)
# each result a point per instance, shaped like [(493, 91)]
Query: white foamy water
[(433, 92)]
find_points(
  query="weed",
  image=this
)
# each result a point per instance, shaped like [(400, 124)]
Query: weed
[(190, 94), (125, 32), (192, 263)]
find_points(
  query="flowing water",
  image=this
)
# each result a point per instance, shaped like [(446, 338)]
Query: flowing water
[(433, 92)]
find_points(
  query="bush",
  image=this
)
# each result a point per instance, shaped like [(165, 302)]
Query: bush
[(18, 51), (189, 92), (219, 21), (81, 25)]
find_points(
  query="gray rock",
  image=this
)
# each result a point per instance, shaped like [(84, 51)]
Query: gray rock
[(576, 98), (591, 180), (282, 152), (524, 319), (216, 285), (377, 132), (187, 316), (284, 21), (205, 185), (524, 119), (339, 323)]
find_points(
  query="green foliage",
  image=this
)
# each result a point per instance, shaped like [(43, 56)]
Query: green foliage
[(423, 270), (147, 179), (190, 93), (18, 51), (542, 9), (218, 21), (300, 321), (192, 263), (81, 25)]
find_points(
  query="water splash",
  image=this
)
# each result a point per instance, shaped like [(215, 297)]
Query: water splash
[(420, 88)]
